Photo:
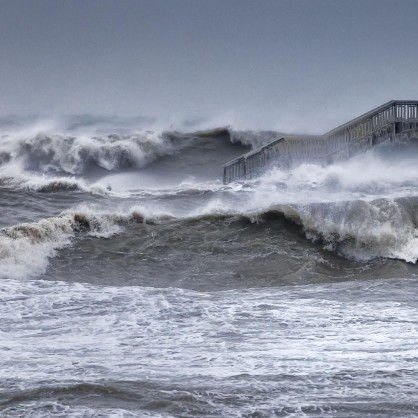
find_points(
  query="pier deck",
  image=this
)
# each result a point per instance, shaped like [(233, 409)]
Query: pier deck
[(395, 121)]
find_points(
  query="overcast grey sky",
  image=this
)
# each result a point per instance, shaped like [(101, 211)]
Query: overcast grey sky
[(260, 63)]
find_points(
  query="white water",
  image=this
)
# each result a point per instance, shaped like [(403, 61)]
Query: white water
[(280, 348)]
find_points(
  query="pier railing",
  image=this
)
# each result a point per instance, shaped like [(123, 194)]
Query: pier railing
[(378, 125), (375, 120)]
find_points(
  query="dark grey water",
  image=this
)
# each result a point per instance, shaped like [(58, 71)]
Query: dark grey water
[(133, 283)]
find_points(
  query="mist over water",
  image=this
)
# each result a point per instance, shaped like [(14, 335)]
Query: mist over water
[(134, 283)]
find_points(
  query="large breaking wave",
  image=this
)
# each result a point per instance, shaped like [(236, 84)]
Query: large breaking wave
[(358, 230), (74, 155), (46, 159), (26, 248)]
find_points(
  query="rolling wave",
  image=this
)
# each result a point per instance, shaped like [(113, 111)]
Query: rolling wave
[(252, 138), (357, 230), (52, 184), (147, 396), (26, 248), (67, 162), (75, 155)]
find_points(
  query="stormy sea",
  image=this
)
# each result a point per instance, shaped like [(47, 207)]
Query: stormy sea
[(134, 283)]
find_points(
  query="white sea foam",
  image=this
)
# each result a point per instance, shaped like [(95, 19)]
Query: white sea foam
[(367, 177), (238, 352)]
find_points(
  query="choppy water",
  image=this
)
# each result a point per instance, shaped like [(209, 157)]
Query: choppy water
[(134, 283)]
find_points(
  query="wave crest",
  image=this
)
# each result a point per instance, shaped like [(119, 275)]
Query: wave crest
[(357, 229), (26, 248), (252, 138), (76, 154)]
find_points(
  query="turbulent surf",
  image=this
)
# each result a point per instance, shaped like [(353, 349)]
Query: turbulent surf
[(135, 283)]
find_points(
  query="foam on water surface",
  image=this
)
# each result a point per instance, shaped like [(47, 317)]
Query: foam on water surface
[(285, 349)]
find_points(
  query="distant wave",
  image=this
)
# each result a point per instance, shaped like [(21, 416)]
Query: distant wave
[(51, 184), (69, 154), (58, 162), (75, 154), (252, 138), (246, 137), (68, 163)]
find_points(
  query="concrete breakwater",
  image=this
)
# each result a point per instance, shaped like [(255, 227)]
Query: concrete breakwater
[(394, 121)]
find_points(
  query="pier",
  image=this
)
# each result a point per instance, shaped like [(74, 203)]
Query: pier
[(395, 121)]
